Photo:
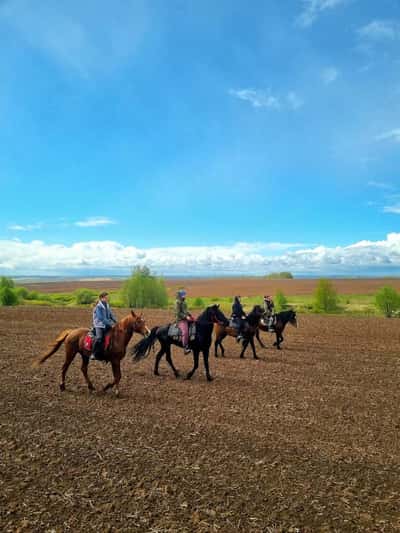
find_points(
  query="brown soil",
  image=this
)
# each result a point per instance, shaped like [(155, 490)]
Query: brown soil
[(230, 286), (306, 439)]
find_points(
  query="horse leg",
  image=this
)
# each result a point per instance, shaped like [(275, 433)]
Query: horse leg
[(158, 359), (170, 362), (218, 342), (245, 344), (259, 340), (206, 353), (253, 347), (278, 341), (195, 364), (117, 377), (69, 357), (84, 368)]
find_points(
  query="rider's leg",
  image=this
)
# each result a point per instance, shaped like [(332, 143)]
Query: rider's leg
[(184, 327), (98, 348)]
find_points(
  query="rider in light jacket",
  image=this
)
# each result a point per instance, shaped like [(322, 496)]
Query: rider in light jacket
[(103, 320)]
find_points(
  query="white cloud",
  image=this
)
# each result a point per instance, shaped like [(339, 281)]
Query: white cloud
[(380, 30), (264, 99), (313, 8), (24, 227), (392, 209), (257, 98), (329, 75), (84, 37), (250, 258), (92, 222), (380, 185), (392, 135)]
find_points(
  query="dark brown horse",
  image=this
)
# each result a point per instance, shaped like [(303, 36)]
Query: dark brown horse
[(121, 334), (251, 328), (281, 319)]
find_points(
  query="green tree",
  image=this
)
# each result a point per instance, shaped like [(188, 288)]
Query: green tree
[(280, 301), (84, 296), (325, 297), (6, 283), (143, 289), (8, 296), (387, 300), (279, 275)]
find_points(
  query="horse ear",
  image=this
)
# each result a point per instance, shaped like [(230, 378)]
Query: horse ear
[(217, 306), (133, 313)]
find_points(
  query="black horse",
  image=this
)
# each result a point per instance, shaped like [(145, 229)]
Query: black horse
[(248, 331), (201, 343), (281, 319)]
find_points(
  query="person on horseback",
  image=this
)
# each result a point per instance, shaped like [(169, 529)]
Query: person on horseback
[(182, 318), (269, 308), (103, 320), (238, 316)]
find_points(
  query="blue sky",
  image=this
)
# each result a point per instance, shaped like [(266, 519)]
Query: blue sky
[(195, 137)]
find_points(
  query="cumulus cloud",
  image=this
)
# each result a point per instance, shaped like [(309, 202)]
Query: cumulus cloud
[(380, 30), (313, 8), (329, 75), (92, 222), (241, 258)]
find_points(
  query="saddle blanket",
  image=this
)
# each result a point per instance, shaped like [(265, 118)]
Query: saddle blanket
[(89, 339), (175, 333)]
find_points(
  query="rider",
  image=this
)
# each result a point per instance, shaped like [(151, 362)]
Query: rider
[(103, 320), (269, 307), (182, 318), (238, 316)]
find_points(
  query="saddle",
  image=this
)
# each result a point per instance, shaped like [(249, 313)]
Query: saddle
[(175, 333), (268, 323), (234, 323), (89, 339)]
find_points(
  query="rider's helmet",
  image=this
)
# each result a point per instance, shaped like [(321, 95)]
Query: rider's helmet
[(181, 294)]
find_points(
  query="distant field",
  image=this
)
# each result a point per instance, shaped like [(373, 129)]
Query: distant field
[(225, 287)]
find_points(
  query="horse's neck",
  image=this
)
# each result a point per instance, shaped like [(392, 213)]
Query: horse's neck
[(204, 327), (122, 335)]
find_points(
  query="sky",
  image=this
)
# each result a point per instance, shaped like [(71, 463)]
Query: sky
[(200, 138)]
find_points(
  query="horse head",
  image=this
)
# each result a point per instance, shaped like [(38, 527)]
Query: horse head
[(292, 318), (216, 315), (139, 324)]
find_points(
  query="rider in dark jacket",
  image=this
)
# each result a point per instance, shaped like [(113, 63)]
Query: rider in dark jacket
[(238, 316)]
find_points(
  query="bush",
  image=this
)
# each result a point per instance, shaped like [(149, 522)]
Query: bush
[(32, 295), (198, 303), (22, 293), (325, 297), (8, 296), (280, 301), (387, 300), (6, 283), (84, 296), (279, 275), (143, 289)]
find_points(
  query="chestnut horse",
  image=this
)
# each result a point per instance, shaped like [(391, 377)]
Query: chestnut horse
[(121, 334), (251, 327)]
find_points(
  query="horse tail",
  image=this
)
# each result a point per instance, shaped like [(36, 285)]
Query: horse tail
[(143, 347), (53, 347)]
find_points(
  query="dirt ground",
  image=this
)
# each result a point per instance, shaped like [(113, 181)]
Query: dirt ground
[(221, 287), (304, 440)]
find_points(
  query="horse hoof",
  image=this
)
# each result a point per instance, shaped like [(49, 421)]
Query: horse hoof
[(210, 378), (62, 387), (156, 373), (177, 375), (255, 357), (189, 376)]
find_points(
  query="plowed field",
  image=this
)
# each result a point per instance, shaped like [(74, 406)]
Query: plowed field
[(222, 287), (306, 439)]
